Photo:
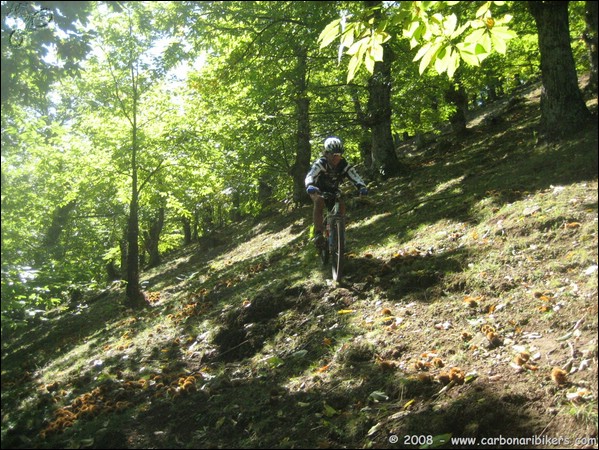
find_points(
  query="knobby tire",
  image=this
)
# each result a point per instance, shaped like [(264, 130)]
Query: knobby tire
[(338, 248)]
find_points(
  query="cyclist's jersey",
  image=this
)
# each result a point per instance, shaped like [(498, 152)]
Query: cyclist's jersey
[(328, 178)]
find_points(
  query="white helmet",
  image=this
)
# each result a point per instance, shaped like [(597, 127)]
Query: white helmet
[(333, 145)]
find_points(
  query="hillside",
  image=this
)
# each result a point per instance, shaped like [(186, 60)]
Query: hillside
[(469, 310)]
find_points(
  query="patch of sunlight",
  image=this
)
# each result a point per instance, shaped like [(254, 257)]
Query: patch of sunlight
[(387, 247), (73, 362), (93, 356), (439, 233), (259, 245), (448, 185), (368, 221)]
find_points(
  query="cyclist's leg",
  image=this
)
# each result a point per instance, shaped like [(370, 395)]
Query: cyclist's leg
[(317, 214), (342, 207)]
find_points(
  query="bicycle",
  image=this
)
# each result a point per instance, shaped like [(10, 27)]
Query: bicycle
[(334, 232), (32, 21)]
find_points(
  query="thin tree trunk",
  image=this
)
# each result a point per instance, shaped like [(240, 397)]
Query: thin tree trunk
[(365, 144), (303, 154), (456, 95), (186, 230), (562, 107), (152, 238), (590, 38), (135, 297), (384, 158)]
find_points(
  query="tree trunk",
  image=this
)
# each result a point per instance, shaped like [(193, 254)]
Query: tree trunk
[(187, 234), (135, 298), (152, 238), (590, 38), (562, 107), (365, 144), (303, 154), (195, 226), (456, 95), (384, 158), (112, 272)]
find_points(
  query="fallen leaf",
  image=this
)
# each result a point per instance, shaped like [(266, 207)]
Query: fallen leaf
[(323, 368)]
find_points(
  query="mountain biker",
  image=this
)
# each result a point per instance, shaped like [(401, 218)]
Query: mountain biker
[(325, 175)]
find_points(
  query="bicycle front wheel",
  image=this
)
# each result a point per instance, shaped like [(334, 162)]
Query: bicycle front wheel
[(337, 249)]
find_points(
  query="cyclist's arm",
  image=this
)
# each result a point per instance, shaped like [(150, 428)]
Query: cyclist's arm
[(312, 177), (354, 177)]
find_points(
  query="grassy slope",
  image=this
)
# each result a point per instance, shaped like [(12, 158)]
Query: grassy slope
[(485, 250)]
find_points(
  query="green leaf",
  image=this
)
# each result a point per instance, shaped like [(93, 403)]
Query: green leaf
[(380, 37), (503, 33), (505, 19), (442, 60), (378, 396), (437, 19), (460, 30), (369, 62), (299, 354), (499, 44), (485, 42), (358, 47), (425, 48), (453, 64), (483, 9), (275, 361), (467, 54), (329, 411), (449, 24), (347, 39), (429, 56), (376, 52), (413, 43), (352, 68), (408, 32), (475, 36), (330, 32)]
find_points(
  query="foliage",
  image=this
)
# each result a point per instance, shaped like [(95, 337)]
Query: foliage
[(441, 40), (217, 116)]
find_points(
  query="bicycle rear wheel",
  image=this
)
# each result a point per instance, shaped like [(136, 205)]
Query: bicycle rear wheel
[(337, 248)]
